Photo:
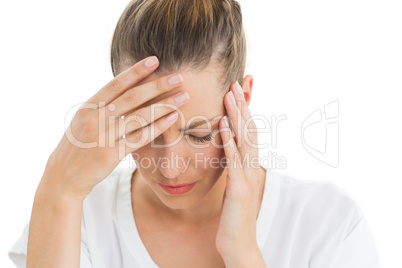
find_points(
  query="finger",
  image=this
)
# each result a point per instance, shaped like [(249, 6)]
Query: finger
[(137, 96), (125, 80), (251, 139), (145, 116), (232, 154), (142, 137), (238, 124), (242, 104)]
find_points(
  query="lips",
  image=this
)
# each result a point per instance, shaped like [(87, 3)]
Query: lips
[(177, 189), (176, 185)]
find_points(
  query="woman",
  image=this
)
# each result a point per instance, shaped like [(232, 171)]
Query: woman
[(196, 196)]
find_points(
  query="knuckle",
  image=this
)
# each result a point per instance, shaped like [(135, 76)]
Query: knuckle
[(88, 105), (159, 85), (130, 97), (139, 118), (86, 110), (137, 70), (81, 113), (91, 124), (135, 138), (115, 85)]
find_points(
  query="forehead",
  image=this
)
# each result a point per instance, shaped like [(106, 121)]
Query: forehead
[(195, 82), (204, 89)]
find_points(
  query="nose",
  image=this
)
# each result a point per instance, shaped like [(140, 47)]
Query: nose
[(171, 164)]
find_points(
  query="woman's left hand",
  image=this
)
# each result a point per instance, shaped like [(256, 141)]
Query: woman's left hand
[(236, 235)]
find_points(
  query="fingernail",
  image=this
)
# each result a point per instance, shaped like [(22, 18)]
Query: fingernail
[(182, 97), (232, 97), (225, 121), (151, 62), (175, 79), (172, 117), (238, 88)]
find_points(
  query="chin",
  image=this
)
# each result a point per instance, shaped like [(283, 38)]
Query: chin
[(182, 202)]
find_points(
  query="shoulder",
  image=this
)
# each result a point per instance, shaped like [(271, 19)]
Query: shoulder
[(316, 205), (309, 193)]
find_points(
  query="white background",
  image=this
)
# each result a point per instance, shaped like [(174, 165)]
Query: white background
[(302, 54)]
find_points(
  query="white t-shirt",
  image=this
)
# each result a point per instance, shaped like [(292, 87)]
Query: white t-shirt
[(301, 224)]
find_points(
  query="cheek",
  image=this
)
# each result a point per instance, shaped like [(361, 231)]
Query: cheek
[(217, 145), (214, 148), (214, 152), (209, 160)]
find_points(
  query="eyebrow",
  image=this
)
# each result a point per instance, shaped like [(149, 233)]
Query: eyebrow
[(200, 122)]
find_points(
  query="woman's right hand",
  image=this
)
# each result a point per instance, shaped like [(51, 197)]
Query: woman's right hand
[(86, 154)]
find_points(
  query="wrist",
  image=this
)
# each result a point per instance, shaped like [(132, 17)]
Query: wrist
[(52, 185), (50, 193)]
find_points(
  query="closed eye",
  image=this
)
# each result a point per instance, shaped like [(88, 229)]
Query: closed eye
[(201, 139)]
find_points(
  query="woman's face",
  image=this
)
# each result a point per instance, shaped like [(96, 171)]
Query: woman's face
[(181, 155)]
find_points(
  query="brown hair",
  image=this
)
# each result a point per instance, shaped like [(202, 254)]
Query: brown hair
[(182, 34)]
